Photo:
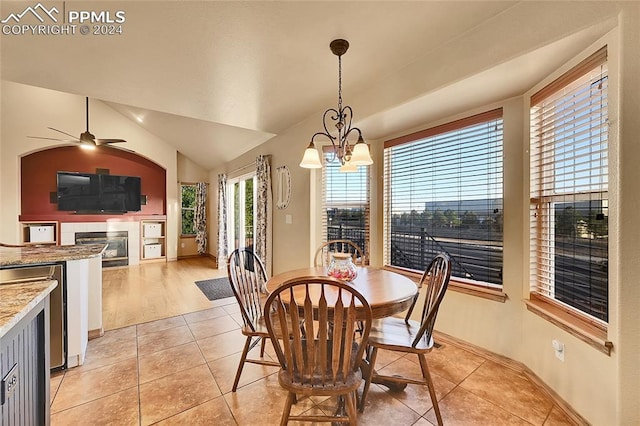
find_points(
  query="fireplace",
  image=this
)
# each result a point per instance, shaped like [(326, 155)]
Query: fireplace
[(117, 251)]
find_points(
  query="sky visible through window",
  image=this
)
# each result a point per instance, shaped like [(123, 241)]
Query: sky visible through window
[(441, 168), (345, 189)]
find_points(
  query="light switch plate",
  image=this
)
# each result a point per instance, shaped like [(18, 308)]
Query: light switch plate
[(288, 219)]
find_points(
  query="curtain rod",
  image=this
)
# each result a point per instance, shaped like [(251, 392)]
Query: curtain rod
[(246, 166)]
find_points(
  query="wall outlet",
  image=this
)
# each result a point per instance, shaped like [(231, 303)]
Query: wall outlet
[(181, 245), (288, 219), (558, 347)]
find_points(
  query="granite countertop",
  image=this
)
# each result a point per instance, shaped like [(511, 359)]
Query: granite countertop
[(17, 300), (29, 255)]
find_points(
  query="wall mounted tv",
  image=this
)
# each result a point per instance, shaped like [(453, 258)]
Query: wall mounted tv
[(98, 193)]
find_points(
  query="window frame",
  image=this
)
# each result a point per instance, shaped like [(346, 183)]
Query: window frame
[(182, 209), (476, 288), (581, 325), (241, 181), (545, 193), (365, 187)]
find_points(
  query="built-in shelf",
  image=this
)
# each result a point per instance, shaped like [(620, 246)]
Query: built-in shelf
[(45, 232), (152, 240)]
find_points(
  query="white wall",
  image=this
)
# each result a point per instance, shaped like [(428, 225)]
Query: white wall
[(28, 111), (190, 172)]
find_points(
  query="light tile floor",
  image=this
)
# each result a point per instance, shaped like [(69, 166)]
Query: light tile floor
[(180, 370)]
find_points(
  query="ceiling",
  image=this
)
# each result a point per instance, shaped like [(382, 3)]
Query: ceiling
[(223, 77)]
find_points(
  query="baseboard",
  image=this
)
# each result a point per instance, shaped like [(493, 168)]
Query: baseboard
[(519, 367), (189, 256), (94, 334), (192, 256)]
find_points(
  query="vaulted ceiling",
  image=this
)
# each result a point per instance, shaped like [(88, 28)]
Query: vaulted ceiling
[(223, 77)]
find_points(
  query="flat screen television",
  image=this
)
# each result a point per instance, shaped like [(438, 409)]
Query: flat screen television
[(98, 193)]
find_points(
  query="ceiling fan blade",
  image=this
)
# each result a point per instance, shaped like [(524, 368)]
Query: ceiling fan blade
[(85, 139), (64, 133), (54, 139), (108, 141)]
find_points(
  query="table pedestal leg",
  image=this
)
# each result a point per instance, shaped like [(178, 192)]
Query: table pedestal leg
[(391, 385)]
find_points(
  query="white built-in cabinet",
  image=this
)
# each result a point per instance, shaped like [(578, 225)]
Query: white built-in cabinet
[(153, 240), (45, 232)]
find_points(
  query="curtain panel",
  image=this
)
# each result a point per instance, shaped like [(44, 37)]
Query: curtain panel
[(200, 217), (263, 219), (222, 221)]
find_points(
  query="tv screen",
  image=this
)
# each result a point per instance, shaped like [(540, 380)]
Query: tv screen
[(98, 193), (120, 193)]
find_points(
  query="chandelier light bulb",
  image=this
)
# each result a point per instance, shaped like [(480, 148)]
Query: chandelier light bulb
[(311, 158), (361, 155), (348, 167)]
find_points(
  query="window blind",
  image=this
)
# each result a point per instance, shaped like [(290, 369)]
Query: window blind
[(443, 193), (345, 203), (569, 189)]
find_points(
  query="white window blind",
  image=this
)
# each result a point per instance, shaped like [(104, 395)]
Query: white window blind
[(345, 203), (443, 193), (569, 189)]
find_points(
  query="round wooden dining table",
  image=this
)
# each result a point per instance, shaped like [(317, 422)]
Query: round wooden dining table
[(387, 292)]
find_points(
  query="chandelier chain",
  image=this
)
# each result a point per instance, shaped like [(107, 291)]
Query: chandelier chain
[(340, 85)]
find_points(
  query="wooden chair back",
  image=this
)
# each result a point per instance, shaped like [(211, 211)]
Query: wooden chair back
[(323, 254), (248, 279), (319, 315), (436, 280)]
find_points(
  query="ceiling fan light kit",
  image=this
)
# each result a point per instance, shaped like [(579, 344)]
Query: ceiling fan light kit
[(348, 154), (86, 140)]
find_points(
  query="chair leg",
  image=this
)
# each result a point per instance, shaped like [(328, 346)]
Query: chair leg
[(432, 390), (372, 363), (245, 351), (262, 344), (350, 405), (291, 396)]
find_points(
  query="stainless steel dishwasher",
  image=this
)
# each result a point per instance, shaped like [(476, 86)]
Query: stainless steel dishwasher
[(57, 301)]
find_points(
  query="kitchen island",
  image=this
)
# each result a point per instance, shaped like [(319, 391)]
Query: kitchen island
[(79, 292), (24, 358)]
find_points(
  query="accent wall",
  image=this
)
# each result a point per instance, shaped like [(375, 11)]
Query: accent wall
[(38, 180)]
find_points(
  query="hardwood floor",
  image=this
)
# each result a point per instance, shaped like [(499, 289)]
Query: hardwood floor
[(152, 291)]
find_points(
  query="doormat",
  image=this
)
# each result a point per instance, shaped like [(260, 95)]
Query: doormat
[(218, 288)]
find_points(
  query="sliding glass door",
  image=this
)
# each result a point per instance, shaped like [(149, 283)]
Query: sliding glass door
[(241, 221)]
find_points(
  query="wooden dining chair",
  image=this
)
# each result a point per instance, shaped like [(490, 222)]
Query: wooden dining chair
[(248, 278), (409, 336), (323, 254), (323, 353)]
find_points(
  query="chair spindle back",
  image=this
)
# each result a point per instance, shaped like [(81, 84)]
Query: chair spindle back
[(323, 254), (435, 279), (319, 314), (248, 278)]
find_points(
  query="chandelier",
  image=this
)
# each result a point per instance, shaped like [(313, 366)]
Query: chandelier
[(349, 155)]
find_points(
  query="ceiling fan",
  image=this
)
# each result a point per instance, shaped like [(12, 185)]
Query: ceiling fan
[(86, 138)]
